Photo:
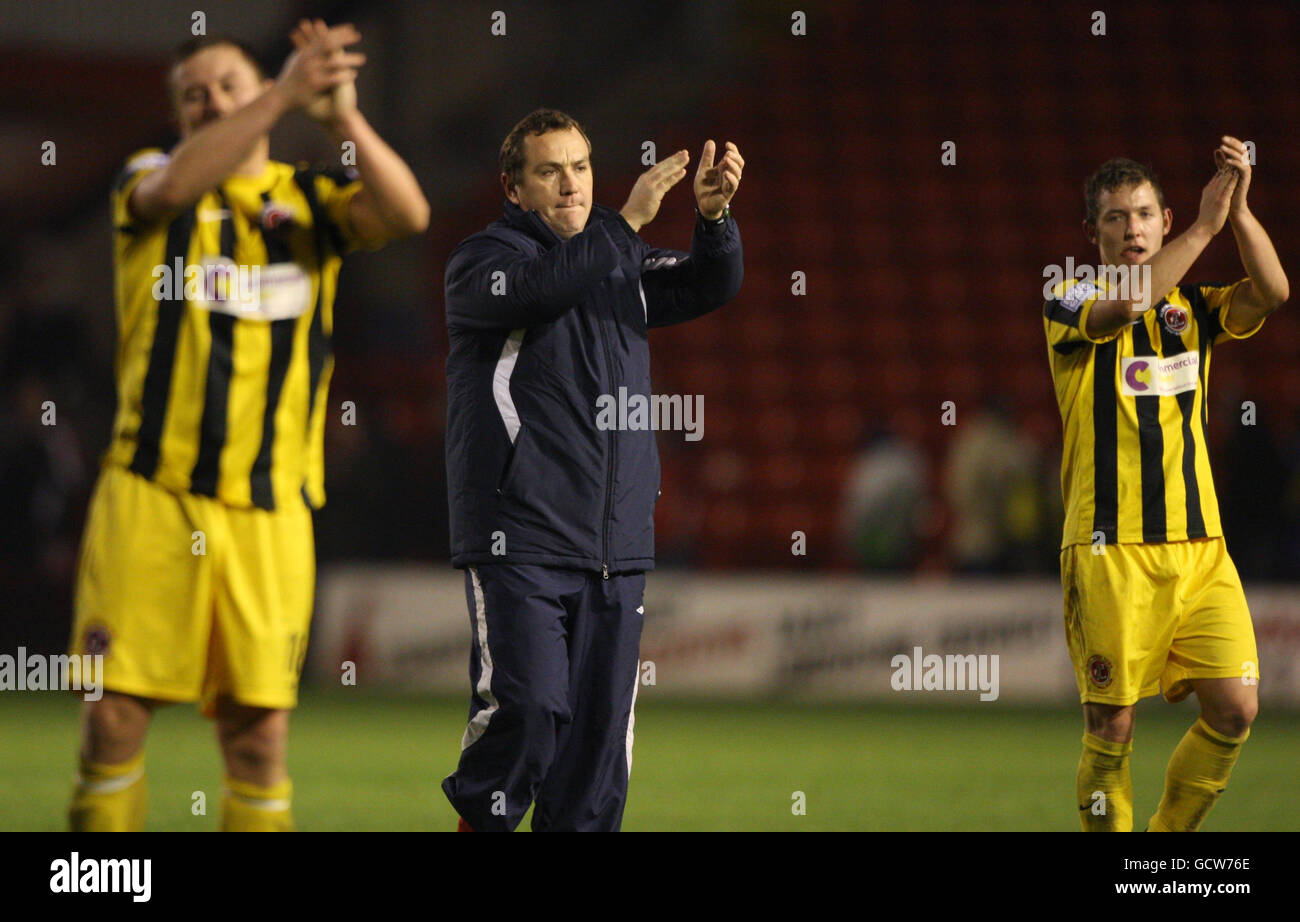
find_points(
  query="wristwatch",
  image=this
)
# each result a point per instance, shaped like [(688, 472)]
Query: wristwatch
[(726, 213)]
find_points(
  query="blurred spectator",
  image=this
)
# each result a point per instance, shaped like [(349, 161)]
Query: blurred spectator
[(885, 500), (992, 486), (1035, 512)]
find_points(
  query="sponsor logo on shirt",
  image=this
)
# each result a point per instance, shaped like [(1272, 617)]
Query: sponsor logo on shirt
[(1153, 376)]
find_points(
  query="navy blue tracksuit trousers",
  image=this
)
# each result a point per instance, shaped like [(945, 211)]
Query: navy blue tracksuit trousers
[(554, 668)]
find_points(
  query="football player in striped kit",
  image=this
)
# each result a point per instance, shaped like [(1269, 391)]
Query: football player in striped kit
[(1153, 602), (197, 567)]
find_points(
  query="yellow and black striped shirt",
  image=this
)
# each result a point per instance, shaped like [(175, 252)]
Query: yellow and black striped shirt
[(1136, 467), (224, 316)]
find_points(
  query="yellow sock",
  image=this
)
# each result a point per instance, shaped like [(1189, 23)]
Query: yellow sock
[(1197, 774), (1103, 786), (109, 798), (247, 807)]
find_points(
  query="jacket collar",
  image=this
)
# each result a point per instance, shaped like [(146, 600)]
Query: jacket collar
[(531, 223)]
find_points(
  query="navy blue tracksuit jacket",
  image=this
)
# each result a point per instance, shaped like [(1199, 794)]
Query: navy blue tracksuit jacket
[(539, 330), (552, 517)]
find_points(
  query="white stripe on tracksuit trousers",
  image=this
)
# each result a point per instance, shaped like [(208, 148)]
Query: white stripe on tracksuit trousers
[(477, 724)]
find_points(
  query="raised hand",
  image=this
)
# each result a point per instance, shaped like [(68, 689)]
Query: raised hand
[(1232, 154), (1217, 198), (319, 76), (643, 201), (715, 184)]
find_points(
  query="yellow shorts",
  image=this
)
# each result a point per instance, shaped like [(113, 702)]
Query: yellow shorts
[(1145, 618), (188, 598)]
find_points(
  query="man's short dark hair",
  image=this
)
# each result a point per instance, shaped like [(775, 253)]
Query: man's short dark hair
[(1113, 175), (188, 49), (539, 121)]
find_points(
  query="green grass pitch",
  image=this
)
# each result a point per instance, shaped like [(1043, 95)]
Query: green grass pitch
[(364, 762)]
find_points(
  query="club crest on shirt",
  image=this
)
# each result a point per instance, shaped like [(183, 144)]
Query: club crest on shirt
[(276, 217), (1174, 318), (1099, 670)]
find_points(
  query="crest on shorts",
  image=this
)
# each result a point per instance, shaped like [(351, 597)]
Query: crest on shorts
[(1099, 670), (1175, 318), (97, 640)]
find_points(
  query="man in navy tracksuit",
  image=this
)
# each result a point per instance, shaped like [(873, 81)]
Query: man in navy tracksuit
[(552, 515)]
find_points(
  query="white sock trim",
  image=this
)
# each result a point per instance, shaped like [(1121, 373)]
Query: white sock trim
[(259, 803), (109, 785)]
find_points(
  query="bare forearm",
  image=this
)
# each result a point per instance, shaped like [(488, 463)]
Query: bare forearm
[(1166, 269), (388, 182), (1173, 262), (209, 155), (1261, 263)]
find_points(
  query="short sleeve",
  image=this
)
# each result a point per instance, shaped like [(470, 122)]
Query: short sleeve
[(1065, 316), (137, 167), (335, 190), (1218, 301)]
